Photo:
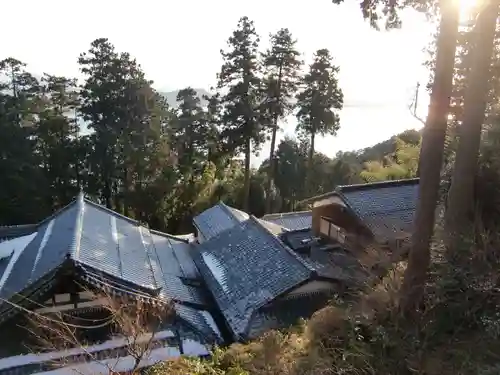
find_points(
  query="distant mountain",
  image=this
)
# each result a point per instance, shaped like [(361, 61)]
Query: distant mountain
[(171, 96)]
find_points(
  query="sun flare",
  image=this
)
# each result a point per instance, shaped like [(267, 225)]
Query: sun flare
[(468, 7)]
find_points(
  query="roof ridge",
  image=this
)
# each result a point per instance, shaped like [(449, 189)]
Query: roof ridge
[(228, 210), (75, 243), (168, 235), (17, 230), (340, 189), (282, 244), (20, 226), (282, 214), (147, 251), (58, 212), (377, 184)]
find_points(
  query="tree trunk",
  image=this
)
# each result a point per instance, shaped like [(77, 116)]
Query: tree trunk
[(310, 162), (431, 159), (246, 188), (461, 195), (272, 160), (272, 166), (107, 191)]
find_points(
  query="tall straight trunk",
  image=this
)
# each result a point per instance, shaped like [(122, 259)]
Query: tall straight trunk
[(310, 163), (431, 159), (272, 159), (126, 193), (461, 195), (16, 99), (107, 191), (246, 188), (272, 166)]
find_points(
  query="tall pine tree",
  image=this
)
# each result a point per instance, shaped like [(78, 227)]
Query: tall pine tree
[(21, 183), (57, 141), (192, 138), (240, 78), (282, 67), (319, 101), (128, 118)]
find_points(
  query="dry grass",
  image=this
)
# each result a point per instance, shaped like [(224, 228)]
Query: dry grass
[(457, 333)]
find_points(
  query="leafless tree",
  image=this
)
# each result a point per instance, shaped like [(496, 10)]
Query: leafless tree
[(135, 323)]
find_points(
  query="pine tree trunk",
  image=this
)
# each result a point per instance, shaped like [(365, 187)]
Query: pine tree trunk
[(272, 160), (272, 166), (107, 191), (310, 163), (461, 195), (246, 188), (431, 158)]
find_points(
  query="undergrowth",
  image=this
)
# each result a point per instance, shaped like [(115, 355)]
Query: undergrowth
[(457, 332)]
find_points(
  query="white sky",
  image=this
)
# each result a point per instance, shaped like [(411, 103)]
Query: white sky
[(178, 42)]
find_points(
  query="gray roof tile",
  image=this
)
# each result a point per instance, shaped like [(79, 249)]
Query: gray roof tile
[(291, 220), (108, 244), (245, 267), (201, 320), (217, 219), (4, 262), (386, 208), (329, 262), (13, 231), (44, 253)]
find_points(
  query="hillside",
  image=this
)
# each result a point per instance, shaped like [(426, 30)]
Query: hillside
[(385, 148)]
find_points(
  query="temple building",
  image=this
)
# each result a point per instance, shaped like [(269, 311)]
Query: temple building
[(233, 279)]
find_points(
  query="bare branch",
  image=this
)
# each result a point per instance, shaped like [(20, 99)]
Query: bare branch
[(133, 322)]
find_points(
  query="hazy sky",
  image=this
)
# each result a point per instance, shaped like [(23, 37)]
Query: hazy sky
[(178, 42)]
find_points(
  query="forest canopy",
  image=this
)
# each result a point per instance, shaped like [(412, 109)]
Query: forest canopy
[(114, 137)]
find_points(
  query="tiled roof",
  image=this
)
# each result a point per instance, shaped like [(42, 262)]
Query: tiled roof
[(275, 229), (10, 232), (245, 267), (106, 356), (217, 219), (108, 247), (4, 262), (291, 220), (386, 208), (329, 261)]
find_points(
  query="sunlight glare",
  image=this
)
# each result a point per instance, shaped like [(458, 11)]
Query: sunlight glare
[(468, 8)]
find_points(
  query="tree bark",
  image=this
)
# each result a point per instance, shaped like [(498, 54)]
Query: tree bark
[(431, 158), (246, 188), (272, 160), (272, 166), (310, 165), (461, 195)]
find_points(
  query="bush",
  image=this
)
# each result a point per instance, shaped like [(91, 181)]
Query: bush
[(458, 331)]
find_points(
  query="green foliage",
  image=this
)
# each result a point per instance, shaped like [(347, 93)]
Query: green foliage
[(458, 331), (19, 201), (402, 163), (162, 165), (318, 102), (320, 99), (282, 66), (240, 77), (389, 11)]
